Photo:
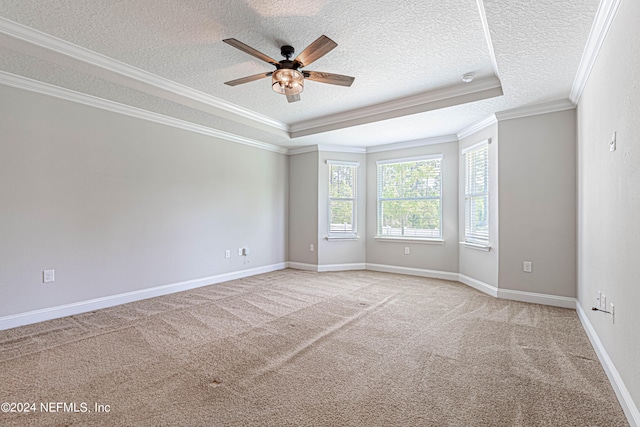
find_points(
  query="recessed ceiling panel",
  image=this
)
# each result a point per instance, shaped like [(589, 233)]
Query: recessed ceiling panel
[(393, 49), (399, 52)]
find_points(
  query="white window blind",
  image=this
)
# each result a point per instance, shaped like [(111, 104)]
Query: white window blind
[(410, 198), (342, 197), (476, 194)]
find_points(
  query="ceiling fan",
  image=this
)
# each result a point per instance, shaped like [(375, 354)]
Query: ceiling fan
[(287, 79)]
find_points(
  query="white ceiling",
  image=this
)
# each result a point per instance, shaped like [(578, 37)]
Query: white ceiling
[(407, 57)]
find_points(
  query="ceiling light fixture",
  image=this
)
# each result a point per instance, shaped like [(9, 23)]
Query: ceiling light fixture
[(287, 81), (468, 77)]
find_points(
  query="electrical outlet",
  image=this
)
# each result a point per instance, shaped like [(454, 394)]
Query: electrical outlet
[(526, 266), (311, 247), (239, 251), (603, 302), (227, 253), (599, 299), (48, 276), (407, 250)]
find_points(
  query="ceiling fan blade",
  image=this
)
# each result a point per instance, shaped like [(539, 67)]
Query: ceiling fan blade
[(330, 78), (316, 50), (251, 51), (248, 79)]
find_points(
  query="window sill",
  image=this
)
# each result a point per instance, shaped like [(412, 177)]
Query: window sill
[(476, 246), (410, 239), (340, 238)]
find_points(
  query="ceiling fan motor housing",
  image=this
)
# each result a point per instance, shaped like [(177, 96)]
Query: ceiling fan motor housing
[(286, 64)]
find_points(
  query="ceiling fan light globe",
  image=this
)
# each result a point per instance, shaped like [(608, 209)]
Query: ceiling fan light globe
[(287, 82)]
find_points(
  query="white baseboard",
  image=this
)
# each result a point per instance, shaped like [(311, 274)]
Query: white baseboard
[(532, 297), (434, 274), (35, 316), (478, 285), (326, 267), (342, 267), (628, 406), (302, 266)]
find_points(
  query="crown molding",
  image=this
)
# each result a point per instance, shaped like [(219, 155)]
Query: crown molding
[(341, 148), (440, 98), (302, 150), (49, 42), (487, 36), (532, 110), (24, 83), (412, 144), (601, 24), (328, 148), (477, 126)]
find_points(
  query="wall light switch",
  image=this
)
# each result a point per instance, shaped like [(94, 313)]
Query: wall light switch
[(526, 266), (311, 247), (407, 250)]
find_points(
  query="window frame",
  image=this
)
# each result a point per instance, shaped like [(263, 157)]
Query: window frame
[(337, 234), (379, 199), (474, 241)]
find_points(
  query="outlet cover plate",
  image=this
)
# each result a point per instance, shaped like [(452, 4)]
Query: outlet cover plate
[(48, 276)]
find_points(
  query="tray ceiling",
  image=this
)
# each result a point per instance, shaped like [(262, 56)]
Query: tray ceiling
[(168, 57)]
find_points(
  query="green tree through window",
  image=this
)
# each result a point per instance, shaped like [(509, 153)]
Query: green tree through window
[(410, 198)]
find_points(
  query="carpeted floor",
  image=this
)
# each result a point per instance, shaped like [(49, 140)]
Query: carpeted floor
[(293, 348)]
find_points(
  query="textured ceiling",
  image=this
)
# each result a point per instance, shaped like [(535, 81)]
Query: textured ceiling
[(401, 54)]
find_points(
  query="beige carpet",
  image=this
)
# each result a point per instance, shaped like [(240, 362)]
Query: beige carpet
[(293, 348)]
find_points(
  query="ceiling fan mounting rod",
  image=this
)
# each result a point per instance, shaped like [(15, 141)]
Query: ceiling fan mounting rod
[(287, 51)]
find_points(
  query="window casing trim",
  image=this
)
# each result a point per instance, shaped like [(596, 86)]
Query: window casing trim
[(476, 145), (353, 233), (384, 237), (410, 159), (342, 163), (473, 240)]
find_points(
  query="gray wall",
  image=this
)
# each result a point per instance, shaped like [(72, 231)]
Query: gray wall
[(303, 207), (332, 252), (609, 199), (440, 257), (537, 203), (116, 204), (474, 263)]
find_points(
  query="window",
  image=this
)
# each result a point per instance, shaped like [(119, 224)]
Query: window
[(476, 194), (410, 198), (342, 198)]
